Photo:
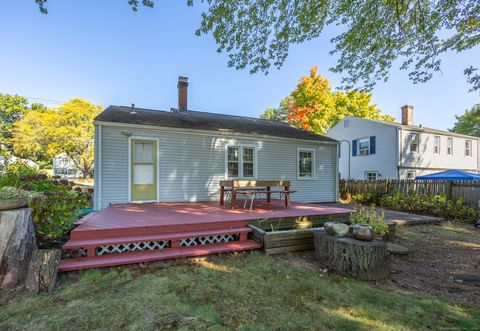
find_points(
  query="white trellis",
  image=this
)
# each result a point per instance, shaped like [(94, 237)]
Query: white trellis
[(197, 241), (130, 247)]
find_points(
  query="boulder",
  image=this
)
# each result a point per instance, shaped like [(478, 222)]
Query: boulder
[(397, 249), (17, 243), (43, 269), (336, 229)]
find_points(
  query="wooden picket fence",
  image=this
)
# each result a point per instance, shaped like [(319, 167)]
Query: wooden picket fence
[(469, 190)]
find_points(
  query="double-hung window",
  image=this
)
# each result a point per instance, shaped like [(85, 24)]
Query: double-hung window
[(449, 146), (436, 145), (241, 162), (364, 146), (371, 175), (468, 148), (414, 142), (306, 163)]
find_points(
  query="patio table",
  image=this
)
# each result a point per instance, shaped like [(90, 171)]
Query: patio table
[(235, 185)]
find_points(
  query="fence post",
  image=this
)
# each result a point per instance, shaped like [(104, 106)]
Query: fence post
[(449, 189)]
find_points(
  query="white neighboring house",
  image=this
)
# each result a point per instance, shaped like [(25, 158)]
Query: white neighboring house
[(64, 167), (380, 150), (12, 159)]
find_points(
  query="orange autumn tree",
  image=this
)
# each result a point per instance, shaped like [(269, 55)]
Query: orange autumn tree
[(314, 106)]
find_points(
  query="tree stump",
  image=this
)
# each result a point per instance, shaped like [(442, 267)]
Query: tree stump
[(42, 271), (366, 260), (17, 242)]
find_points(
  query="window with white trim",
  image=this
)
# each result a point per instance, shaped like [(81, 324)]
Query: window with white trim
[(411, 175), (468, 148), (306, 163), (241, 162), (364, 146), (436, 145), (371, 175), (232, 162), (414, 138), (449, 146)]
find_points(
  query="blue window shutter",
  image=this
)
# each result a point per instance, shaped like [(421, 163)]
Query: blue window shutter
[(354, 147), (372, 145)]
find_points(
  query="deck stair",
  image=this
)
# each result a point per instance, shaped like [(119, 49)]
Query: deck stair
[(142, 244)]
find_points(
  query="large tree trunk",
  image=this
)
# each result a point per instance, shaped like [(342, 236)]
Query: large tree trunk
[(43, 269), (351, 257), (17, 242)]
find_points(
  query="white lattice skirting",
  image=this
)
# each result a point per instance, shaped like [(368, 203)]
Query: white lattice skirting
[(141, 246), (197, 241)]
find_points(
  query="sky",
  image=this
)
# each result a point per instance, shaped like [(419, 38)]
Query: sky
[(105, 53)]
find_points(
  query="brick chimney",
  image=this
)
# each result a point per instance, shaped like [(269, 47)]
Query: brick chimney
[(182, 93), (407, 115)]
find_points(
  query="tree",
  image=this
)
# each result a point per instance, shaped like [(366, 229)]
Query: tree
[(313, 105), (258, 34), (469, 122), (68, 128), (12, 108)]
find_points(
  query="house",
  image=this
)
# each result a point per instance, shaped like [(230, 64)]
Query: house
[(4, 160), (64, 167), (373, 149), (182, 155)]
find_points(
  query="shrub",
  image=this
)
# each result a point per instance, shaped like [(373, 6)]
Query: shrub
[(372, 218), (8, 193), (437, 205), (368, 199), (12, 173)]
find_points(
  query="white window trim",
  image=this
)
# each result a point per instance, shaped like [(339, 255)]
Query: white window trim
[(306, 149), (358, 146), (240, 161), (470, 149), (157, 140), (450, 139), (410, 142), (371, 171), (435, 145), (414, 173)]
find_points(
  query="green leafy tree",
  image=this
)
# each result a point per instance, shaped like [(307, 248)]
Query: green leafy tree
[(313, 105), (12, 108), (375, 34), (469, 122), (68, 128)]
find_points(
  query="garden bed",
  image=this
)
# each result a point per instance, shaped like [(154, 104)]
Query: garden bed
[(287, 237)]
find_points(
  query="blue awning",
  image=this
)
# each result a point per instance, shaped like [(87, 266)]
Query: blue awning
[(450, 175)]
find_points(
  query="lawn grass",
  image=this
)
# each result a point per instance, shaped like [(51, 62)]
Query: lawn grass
[(249, 291)]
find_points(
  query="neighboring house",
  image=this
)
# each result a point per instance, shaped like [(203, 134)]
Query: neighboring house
[(64, 167), (380, 150), (12, 159), (180, 156)]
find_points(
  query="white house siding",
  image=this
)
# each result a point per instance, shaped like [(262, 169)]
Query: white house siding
[(425, 161), (385, 159), (191, 165)]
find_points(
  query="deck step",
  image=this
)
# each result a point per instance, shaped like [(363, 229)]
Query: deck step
[(94, 242), (154, 255)]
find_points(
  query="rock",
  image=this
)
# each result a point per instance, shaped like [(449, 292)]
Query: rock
[(336, 229), (467, 279), (363, 232), (43, 269), (396, 249), (17, 242)]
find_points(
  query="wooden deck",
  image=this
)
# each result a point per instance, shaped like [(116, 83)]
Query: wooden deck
[(132, 233)]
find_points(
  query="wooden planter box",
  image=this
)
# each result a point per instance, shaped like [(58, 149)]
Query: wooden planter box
[(276, 242)]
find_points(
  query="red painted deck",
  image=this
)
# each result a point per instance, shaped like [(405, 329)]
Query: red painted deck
[(174, 223), (186, 214)]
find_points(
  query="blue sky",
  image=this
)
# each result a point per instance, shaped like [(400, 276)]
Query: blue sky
[(104, 52)]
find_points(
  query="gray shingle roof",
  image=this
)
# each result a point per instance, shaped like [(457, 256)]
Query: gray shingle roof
[(195, 120)]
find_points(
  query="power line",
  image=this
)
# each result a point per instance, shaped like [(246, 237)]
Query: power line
[(61, 102)]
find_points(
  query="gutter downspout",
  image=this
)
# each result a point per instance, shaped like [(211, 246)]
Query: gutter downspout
[(400, 153)]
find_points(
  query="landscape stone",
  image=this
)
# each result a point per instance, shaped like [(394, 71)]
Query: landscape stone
[(397, 249), (336, 229)]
